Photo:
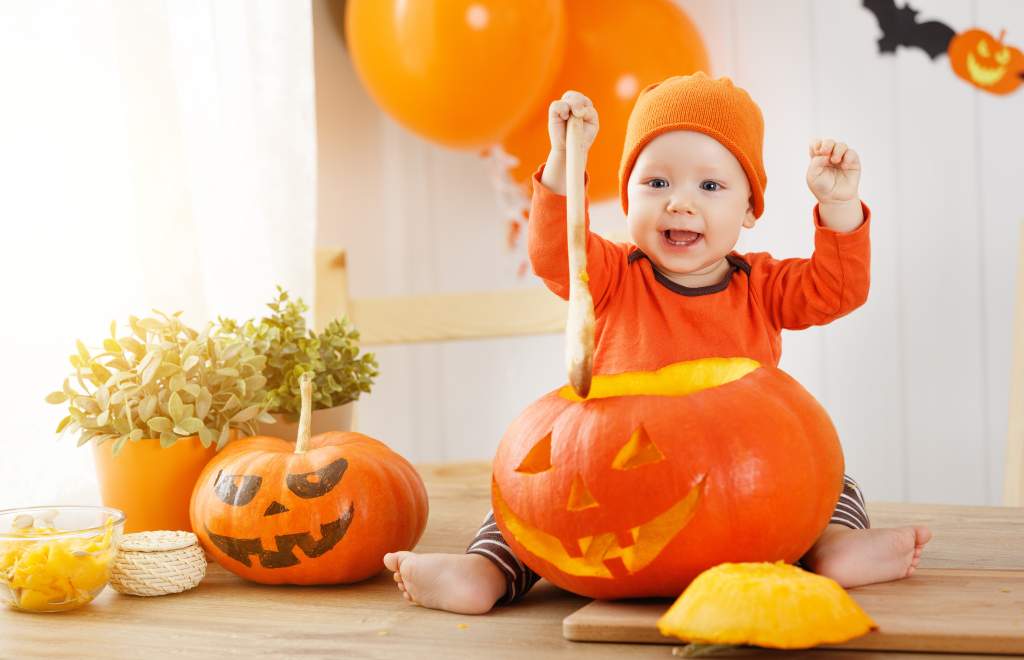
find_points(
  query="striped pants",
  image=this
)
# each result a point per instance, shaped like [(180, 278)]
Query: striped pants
[(850, 512)]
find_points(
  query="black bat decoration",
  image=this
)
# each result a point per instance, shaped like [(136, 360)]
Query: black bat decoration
[(900, 28)]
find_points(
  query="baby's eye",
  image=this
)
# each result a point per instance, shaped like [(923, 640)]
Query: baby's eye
[(710, 186), (658, 183)]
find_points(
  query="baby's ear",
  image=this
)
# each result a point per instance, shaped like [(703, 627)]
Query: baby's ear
[(748, 217)]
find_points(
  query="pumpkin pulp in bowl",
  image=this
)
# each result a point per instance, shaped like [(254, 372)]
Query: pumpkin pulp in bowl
[(56, 558)]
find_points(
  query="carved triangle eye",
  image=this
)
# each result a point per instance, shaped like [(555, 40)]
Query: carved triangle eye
[(639, 450), (579, 497), (539, 458)]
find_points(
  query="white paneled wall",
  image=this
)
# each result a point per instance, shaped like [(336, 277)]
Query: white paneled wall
[(917, 380)]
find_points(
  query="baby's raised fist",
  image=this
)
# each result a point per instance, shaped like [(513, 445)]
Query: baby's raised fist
[(571, 103), (833, 173)]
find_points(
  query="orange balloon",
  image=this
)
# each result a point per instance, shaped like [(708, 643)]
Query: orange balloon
[(613, 50), (459, 72)]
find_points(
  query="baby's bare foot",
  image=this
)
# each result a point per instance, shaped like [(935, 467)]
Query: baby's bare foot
[(855, 557), (466, 584)]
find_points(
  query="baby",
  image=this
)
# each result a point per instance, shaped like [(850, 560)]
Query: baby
[(691, 178)]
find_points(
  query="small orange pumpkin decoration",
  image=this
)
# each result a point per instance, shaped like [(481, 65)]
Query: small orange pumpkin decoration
[(985, 62), (658, 476), (322, 510)]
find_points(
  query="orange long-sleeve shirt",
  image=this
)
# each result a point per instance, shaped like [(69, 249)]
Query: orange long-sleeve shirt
[(644, 321)]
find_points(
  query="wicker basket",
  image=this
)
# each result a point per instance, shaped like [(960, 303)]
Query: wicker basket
[(158, 563)]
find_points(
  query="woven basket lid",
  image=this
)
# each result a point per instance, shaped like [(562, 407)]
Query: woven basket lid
[(158, 541)]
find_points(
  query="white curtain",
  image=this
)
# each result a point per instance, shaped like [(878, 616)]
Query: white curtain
[(152, 155)]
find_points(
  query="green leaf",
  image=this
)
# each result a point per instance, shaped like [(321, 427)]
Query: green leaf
[(136, 435), (167, 439), (152, 325), (265, 417), (132, 345), (103, 418), (175, 407), (99, 371), (167, 369), (122, 424), (245, 414), (160, 424), (192, 389), (232, 403), (63, 424), (207, 436), (102, 396), (82, 351), (118, 444), (56, 397), (86, 404), (111, 345), (147, 408), (121, 363), (203, 403), (188, 426), (190, 362), (177, 382), (149, 371), (225, 435)]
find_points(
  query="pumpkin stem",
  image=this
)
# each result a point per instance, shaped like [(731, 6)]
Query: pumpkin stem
[(1002, 34), (305, 412)]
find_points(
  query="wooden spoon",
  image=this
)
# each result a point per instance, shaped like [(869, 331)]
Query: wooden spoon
[(579, 327)]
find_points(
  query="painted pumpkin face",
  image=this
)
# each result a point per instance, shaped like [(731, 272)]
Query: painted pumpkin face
[(324, 516), (657, 476), (985, 62)]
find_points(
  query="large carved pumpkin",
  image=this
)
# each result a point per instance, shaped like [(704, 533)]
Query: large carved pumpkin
[(986, 62), (657, 476), (321, 510)]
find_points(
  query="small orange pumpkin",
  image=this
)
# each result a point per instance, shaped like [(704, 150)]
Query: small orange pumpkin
[(322, 510), (985, 62), (658, 476)]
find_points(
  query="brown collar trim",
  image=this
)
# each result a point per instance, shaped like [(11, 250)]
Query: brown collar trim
[(737, 263)]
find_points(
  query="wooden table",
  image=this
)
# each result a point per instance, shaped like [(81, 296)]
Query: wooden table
[(226, 616)]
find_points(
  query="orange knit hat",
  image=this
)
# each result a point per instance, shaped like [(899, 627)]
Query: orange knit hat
[(698, 103)]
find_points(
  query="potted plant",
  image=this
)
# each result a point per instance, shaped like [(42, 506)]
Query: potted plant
[(340, 374), (156, 404)]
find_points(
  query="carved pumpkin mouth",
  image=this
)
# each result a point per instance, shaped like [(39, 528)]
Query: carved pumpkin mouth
[(984, 75), (605, 554), (240, 549)]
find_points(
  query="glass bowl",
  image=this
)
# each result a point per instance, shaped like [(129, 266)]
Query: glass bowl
[(56, 558)]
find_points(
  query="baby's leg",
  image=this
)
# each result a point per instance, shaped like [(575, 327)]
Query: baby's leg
[(470, 583), (852, 554)]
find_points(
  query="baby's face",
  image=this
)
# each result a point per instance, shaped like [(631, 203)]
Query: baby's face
[(688, 199)]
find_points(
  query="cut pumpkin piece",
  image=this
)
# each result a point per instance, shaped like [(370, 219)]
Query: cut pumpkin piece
[(764, 604)]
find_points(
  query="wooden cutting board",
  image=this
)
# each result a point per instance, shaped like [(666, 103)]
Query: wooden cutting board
[(950, 610)]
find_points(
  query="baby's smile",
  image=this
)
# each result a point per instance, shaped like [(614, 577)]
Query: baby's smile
[(681, 239)]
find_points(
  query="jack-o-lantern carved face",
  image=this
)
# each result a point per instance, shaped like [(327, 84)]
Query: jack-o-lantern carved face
[(322, 516), (986, 62), (240, 490), (658, 476)]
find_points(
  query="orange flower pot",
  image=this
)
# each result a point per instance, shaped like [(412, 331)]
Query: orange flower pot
[(151, 484)]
